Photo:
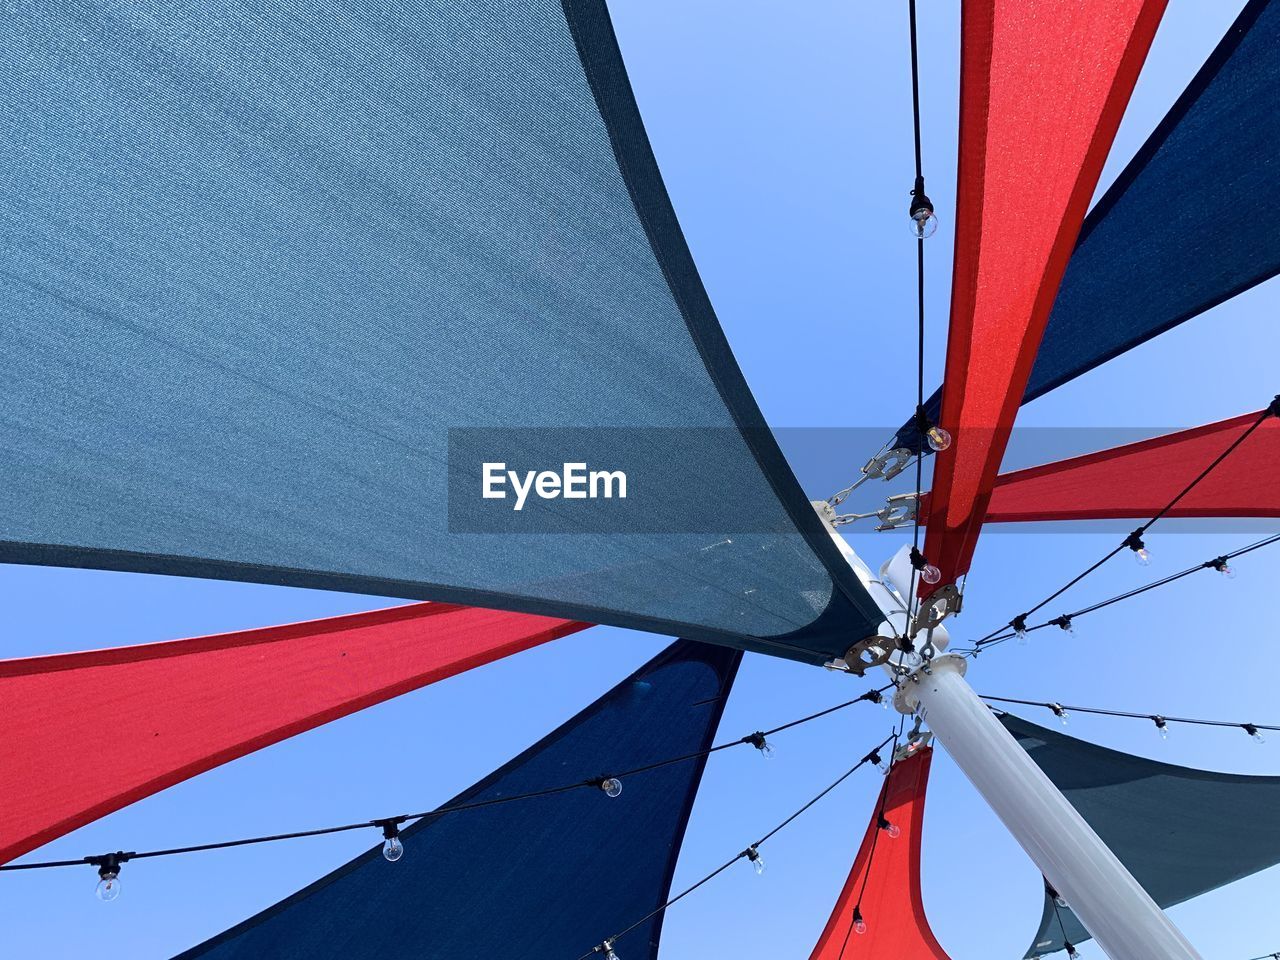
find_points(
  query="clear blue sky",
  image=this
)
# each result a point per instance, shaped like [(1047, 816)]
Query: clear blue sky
[(783, 131)]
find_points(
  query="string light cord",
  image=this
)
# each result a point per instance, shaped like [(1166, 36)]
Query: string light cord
[(875, 839), (756, 739), (1134, 540), (1067, 945), (1154, 717), (1065, 620), (745, 854)]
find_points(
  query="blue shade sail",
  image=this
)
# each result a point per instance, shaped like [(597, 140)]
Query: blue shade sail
[(543, 878), (1178, 231), (1180, 832), (260, 259)]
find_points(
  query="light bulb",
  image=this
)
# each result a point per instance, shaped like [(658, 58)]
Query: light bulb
[(938, 438), (1067, 624), (758, 741), (1162, 727), (611, 786), (924, 224), (607, 949), (1060, 712), (392, 849), (859, 925), (108, 888), (930, 574), (1224, 568), (757, 861), (1143, 556), (1072, 952), (891, 828), (1254, 732), (1019, 624)]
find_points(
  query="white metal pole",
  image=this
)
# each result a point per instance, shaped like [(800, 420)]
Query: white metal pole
[(1117, 912), (1126, 923)]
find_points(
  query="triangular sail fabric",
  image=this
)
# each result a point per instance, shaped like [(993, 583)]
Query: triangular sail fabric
[(1165, 243), (891, 877), (1140, 479), (1034, 134), (544, 878), (183, 707), (1181, 832), (280, 278)]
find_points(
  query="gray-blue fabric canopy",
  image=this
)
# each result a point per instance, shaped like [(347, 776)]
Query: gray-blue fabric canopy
[(258, 258), (537, 878), (1181, 832), (1178, 232)]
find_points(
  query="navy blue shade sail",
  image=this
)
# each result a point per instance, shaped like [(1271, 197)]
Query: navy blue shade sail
[(1180, 832), (260, 259), (1183, 227), (536, 878)]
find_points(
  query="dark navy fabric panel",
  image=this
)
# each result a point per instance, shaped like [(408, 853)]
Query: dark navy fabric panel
[(544, 878), (1180, 832), (259, 259), (1182, 228)]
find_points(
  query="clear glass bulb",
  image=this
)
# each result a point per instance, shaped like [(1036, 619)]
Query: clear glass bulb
[(894, 831), (1072, 952), (607, 949), (1061, 714), (1020, 635), (938, 438), (1227, 571), (392, 849), (1163, 728), (1254, 732), (1143, 556), (859, 925), (611, 786), (924, 224), (757, 861), (108, 887), (930, 574), (1060, 902)]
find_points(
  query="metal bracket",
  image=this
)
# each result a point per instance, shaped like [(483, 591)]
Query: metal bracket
[(941, 604), (898, 511), (871, 652), (887, 465), (913, 746)]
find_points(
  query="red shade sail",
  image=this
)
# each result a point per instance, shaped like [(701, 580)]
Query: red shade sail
[(1042, 89), (886, 880), (1139, 479), (183, 707)]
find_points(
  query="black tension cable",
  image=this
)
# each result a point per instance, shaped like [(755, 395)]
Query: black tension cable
[(1134, 540), (607, 943), (756, 739), (1066, 620)]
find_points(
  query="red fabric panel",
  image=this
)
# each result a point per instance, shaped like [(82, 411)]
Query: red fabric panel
[(1042, 88), (1139, 479), (182, 707), (893, 880)]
